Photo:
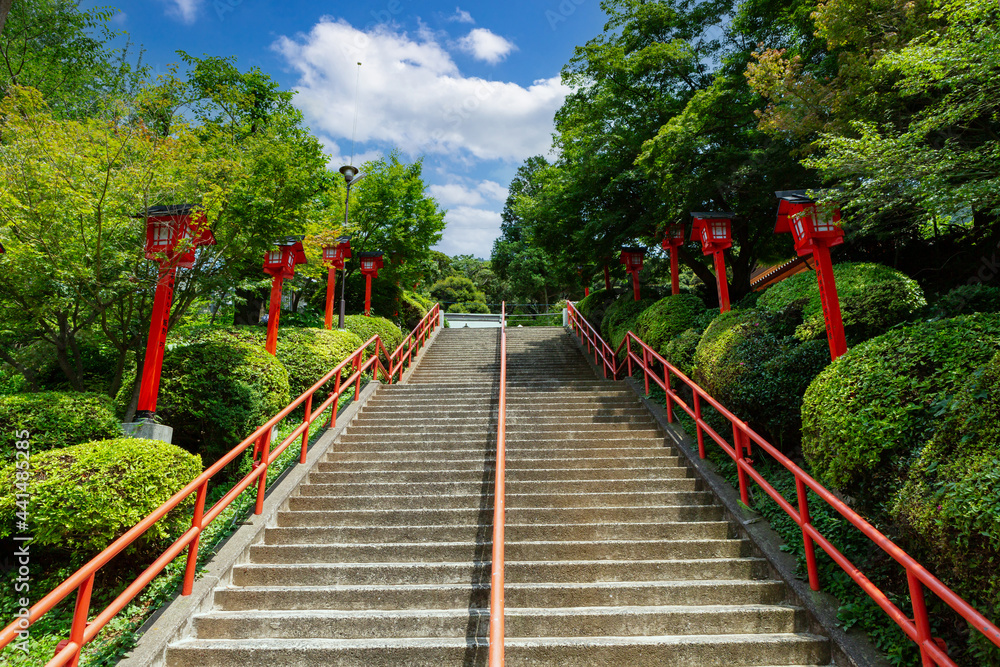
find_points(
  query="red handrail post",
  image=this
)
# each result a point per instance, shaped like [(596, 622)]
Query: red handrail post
[(807, 540), (628, 353), (496, 640), (667, 389), (262, 480), (305, 434), (920, 619), (192, 560), (740, 472), (697, 425), (645, 368), (80, 614), (336, 402)]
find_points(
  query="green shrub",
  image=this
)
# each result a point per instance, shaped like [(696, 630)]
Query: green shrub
[(309, 354), (96, 357), (413, 308), (456, 289), (711, 368), (11, 381), (85, 496), (55, 419), (666, 319), (873, 299), (469, 307), (593, 306), (869, 413), (217, 389), (366, 327), (950, 503), (620, 317), (968, 299), (680, 350)]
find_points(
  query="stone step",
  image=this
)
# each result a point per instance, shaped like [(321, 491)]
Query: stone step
[(513, 475), (700, 650), (394, 574), (480, 459), (512, 487)]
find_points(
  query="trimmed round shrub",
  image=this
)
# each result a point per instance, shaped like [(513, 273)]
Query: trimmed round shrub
[(366, 327), (469, 307), (309, 354), (950, 503), (668, 318), (593, 306), (217, 389), (968, 299), (870, 413), (873, 299), (55, 419), (712, 367), (413, 308), (620, 317), (86, 496)]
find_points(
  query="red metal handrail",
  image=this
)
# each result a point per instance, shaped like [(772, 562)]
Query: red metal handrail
[(414, 342), (496, 653), (604, 356), (82, 580), (918, 628)]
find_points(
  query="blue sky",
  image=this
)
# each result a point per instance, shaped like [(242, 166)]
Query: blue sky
[(470, 87)]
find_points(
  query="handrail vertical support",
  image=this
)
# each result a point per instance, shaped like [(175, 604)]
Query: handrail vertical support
[(80, 614), (192, 559), (807, 541), (305, 433), (920, 619), (740, 472), (336, 402), (668, 390), (697, 425), (262, 480)]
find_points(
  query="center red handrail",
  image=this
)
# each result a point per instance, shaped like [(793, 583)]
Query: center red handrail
[(918, 628), (413, 343), (82, 580), (496, 652)]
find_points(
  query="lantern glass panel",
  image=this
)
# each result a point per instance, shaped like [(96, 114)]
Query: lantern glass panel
[(161, 232), (367, 263), (798, 228), (719, 229), (329, 253), (274, 257), (635, 260), (705, 239), (822, 220)]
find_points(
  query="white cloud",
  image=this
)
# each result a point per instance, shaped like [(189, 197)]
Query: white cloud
[(413, 96), (185, 10), (461, 16), (470, 232), (119, 18), (487, 46), (456, 194)]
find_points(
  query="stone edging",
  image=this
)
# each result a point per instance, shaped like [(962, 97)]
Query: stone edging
[(174, 621), (850, 649)]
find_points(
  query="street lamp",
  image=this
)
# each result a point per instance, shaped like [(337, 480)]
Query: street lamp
[(815, 231), (371, 262), (632, 259), (173, 233), (280, 263), (672, 240), (351, 176), (714, 230), (334, 257)]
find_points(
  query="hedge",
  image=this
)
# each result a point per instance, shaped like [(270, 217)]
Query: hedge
[(873, 299), (968, 299), (309, 354), (620, 317), (366, 327), (55, 419), (414, 307), (666, 319), (592, 307), (870, 413), (85, 496), (950, 503), (216, 389)]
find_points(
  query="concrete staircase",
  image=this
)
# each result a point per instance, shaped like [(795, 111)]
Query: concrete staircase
[(614, 556)]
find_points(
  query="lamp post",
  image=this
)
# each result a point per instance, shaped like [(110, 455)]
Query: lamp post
[(714, 230), (586, 288), (815, 231), (173, 234), (334, 256), (673, 240), (351, 176), (632, 259), (371, 262), (280, 263)]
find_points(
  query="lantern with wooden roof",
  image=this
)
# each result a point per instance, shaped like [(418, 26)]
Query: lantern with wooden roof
[(673, 239), (334, 256), (279, 263), (370, 263), (632, 259), (714, 230)]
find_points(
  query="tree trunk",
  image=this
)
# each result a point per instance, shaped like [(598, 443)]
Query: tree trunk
[(699, 269), (248, 308), (28, 373), (4, 10)]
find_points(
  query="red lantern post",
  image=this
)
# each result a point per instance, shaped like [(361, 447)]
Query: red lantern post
[(632, 259), (586, 288), (673, 240), (815, 231), (280, 263), (714, 230), (173, 234), (333, 257), (371, 262)]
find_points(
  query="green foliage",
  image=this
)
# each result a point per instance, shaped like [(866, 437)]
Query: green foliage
[(457, 290), (55, 420), (967, 299), (92, 364), (414, 308), (469, 307), (719, 338), (216, 389), (666, 319), (85, 496), (309, 354), (593, 307), (871, 412), (950, 502), (873, 299), (621, 317), (366, 327)]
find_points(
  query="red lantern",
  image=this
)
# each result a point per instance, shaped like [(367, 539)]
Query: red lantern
[(816, 230), (370, 262), (714, 230), (334, 257), (280, 262), (173, 234), (672, 240), (632, 259)]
